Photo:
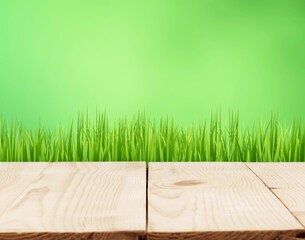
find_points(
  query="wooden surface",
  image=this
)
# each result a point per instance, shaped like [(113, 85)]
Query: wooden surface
[(214, 201), (72, 200), (187, 201), (287, 182)]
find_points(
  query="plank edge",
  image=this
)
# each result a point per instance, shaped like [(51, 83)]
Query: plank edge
[(113, 235)]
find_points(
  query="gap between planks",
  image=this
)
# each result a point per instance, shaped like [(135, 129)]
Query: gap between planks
[(287, 182), (257, 173)]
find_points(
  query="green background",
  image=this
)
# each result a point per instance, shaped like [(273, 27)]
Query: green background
[(169, 57)]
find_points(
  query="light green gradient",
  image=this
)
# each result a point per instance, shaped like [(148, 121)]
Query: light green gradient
[(181, 58)]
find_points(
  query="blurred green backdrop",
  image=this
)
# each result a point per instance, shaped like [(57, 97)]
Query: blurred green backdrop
[(181, 58)]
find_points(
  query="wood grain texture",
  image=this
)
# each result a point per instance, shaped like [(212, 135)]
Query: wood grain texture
[(130, 235), (214, 201), (73, 200), (287, 182), (229, 235)]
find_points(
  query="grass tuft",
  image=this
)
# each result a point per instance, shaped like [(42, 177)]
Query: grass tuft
[(140, 139)]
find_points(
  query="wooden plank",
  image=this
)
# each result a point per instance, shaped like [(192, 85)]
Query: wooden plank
[(73, 201), (214, 201), (287, 182)]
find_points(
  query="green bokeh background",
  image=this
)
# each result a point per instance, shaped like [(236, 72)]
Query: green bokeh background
[(181, 58)]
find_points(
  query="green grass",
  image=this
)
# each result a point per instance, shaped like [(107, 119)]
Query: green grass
[(140, 139)]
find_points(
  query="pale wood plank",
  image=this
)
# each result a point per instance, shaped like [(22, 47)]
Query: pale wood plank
[(287, 182), (214, 201), (14, 178), (74, 201)]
